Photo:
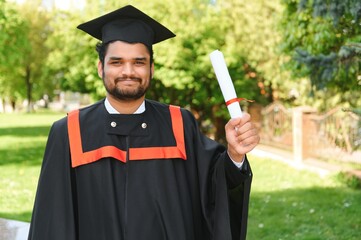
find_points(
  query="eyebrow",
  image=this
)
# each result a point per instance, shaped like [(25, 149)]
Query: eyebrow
[(136, 58)]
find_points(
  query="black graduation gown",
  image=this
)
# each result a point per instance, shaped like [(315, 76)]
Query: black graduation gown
[(203, 196)]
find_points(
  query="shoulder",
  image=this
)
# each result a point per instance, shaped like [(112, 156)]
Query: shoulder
[(162, 112), (91, 108), (62, 123), (90, 113), (156, 105), (164, 108)]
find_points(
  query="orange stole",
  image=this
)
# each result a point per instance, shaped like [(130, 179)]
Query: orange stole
[(78, 157)]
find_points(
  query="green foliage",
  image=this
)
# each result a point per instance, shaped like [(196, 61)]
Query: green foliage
[(22, 50), (319, 41), (183, 74), (323, 39), (72, 62), (183, 65), (349, 179), (13, 33), (255, 39)]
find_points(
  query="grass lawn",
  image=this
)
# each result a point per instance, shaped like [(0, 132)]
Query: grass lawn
[(300, 205), (285, 203), (22, 143)]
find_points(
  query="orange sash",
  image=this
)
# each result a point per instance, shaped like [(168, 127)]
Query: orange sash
[(78, 157)]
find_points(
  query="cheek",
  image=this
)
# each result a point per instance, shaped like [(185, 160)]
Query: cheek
[(109, 72), (146, 74)]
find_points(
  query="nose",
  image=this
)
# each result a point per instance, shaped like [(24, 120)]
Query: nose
[(127, 69)]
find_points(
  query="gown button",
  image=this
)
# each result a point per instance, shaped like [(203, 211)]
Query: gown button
[(113, 124), (144, 125)]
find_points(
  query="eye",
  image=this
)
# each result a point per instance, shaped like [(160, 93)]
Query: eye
[(116, 62), (139, 62)]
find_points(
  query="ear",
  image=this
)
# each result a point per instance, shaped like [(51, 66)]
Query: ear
[(100, 69)]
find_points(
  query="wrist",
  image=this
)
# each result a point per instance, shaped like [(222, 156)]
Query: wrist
[(239, 158)]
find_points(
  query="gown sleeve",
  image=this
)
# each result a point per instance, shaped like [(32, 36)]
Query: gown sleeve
[(239, 187), (224, 188), (53, 214)]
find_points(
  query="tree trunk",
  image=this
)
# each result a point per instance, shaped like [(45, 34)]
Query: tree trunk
[(219, 123), (3, 105), (29, 89), (13, 103)]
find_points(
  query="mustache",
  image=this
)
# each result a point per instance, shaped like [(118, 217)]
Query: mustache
[(119, 79)]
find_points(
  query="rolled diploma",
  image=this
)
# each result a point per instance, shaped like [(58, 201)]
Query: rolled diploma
[(225, 82)]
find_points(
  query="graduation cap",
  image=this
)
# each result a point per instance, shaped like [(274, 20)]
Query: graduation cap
[(127, 24)]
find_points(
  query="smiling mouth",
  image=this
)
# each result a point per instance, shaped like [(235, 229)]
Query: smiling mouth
[(128, 81)]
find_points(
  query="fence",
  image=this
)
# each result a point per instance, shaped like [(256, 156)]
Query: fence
[(338, 135), (334, 135), (276, 127)]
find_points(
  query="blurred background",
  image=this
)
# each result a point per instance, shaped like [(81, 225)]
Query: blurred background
[(299, 60)]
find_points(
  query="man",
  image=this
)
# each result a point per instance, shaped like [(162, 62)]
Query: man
[(132, 168)]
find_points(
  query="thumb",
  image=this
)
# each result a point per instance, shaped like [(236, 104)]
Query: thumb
[(233, 123), (238, 122)]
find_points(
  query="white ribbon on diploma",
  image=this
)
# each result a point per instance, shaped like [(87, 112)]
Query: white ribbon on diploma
[(226, 84)]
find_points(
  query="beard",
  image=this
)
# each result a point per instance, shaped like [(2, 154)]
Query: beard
[(126, 94)]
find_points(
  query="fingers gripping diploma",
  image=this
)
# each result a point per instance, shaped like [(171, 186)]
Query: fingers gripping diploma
[(242, 136)]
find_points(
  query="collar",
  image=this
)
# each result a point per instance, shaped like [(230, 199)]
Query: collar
[(112, 110)]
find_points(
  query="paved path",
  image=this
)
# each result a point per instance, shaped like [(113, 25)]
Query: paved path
[(13, 230), (314, 165)]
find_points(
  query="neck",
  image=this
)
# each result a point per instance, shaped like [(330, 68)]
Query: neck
[(125, 106)]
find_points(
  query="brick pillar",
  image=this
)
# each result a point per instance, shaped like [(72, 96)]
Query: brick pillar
[(299, 131), (255, 110)]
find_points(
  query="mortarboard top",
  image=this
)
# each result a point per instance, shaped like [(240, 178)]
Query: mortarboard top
[(127, 24)]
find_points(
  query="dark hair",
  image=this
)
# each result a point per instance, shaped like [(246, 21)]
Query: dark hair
[(102, 48)]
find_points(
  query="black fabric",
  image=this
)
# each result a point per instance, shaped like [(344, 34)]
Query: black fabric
[(237, 200), (156, 199), (127, 24)]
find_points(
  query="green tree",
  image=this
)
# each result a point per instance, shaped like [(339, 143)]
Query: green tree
[(71, 65), (323, 39), (32, 67), (24, 51), (252, 33), (184, 67), (13, 30)]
